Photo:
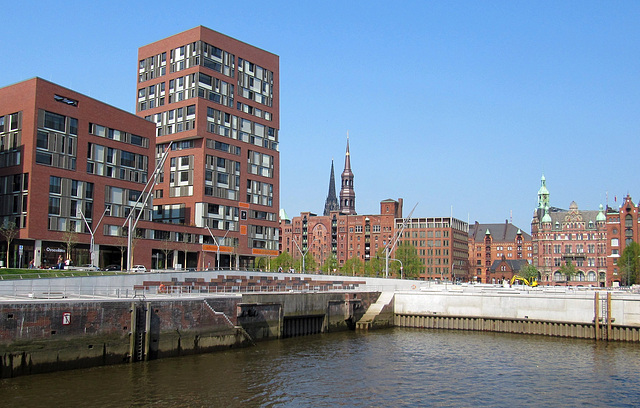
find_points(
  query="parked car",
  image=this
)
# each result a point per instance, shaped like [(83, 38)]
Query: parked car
[(89, 268), (112, 268), (139, 268)]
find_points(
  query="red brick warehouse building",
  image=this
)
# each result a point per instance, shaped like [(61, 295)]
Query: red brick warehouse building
[(622, 229), (577, 236), (216, 99), (493, 242)]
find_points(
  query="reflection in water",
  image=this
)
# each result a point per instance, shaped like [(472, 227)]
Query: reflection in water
[(396, 367)]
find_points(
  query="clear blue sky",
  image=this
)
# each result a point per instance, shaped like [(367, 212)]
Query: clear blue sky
[(452, 104)]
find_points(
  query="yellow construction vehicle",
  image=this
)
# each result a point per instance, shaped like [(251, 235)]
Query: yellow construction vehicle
[(522, 280)]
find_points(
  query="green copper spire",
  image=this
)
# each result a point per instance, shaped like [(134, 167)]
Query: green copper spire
[(543, 194)]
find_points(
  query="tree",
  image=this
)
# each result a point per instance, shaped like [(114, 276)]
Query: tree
[(262, 263), (529, 272), (166, 249), (408, 255), (629, 264), (309, 263), (330, 264), (70, 238), (185, 246), (353, 267), (284, 261), (568, 270), (122, 243), (9, 231), (376, 264)]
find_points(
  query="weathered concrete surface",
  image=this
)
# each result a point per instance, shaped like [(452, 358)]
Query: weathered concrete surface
[(263, 315), (56, 335), (42, 336)]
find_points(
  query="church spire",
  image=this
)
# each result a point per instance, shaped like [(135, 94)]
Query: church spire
[(347, 193), (331, 203)]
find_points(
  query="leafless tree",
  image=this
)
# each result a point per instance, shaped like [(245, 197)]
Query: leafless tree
[(9, 231), (70, 238)]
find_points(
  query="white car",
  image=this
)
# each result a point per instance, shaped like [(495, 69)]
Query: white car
[(139, 269)]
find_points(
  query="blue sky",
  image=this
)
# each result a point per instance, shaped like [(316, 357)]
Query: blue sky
[(456, 105)]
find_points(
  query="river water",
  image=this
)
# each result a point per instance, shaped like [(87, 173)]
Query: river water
[(383, 368)]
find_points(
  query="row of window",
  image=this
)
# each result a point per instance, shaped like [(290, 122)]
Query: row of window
[(118, 135), (56, 140), (115, 163)]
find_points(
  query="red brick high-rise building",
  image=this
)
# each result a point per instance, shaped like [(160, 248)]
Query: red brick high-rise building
[(216, 100)]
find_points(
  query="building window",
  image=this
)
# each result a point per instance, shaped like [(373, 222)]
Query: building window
[(54, 206), (54, 121)]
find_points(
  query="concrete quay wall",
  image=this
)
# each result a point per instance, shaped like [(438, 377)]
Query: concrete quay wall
[(51, 335), (581, 314)]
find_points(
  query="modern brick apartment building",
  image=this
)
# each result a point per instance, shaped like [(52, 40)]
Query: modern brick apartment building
[(63, 156), (442, 246), (216, 100), (213, 99), (491, 242)]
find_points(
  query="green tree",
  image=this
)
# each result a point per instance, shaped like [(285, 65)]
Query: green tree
[(629, 264), (262, 263), (353, 267), (408, 255), (329, 265), (376, 265), (310, 264), (568, 270), (284, 261), (529, 272)]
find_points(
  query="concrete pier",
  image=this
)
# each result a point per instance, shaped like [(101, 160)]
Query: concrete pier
[(57, 334), (65, 324), (563, 312)]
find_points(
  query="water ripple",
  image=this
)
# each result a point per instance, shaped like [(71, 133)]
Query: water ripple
[(386, 368)]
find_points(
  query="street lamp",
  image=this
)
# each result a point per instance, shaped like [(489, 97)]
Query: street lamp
[(92, 232), (217, 245), (301, 253), (401, 267)]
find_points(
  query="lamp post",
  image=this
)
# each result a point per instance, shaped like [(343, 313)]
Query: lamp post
[(141, 203), (92, 232), (301, 253), (217, 245), (401, 266)]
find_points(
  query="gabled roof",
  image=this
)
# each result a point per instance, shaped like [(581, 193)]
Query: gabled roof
[(499, 232), (514, 264)]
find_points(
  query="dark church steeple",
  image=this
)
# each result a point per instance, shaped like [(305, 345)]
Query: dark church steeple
[(331, 204), (347, 193)]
